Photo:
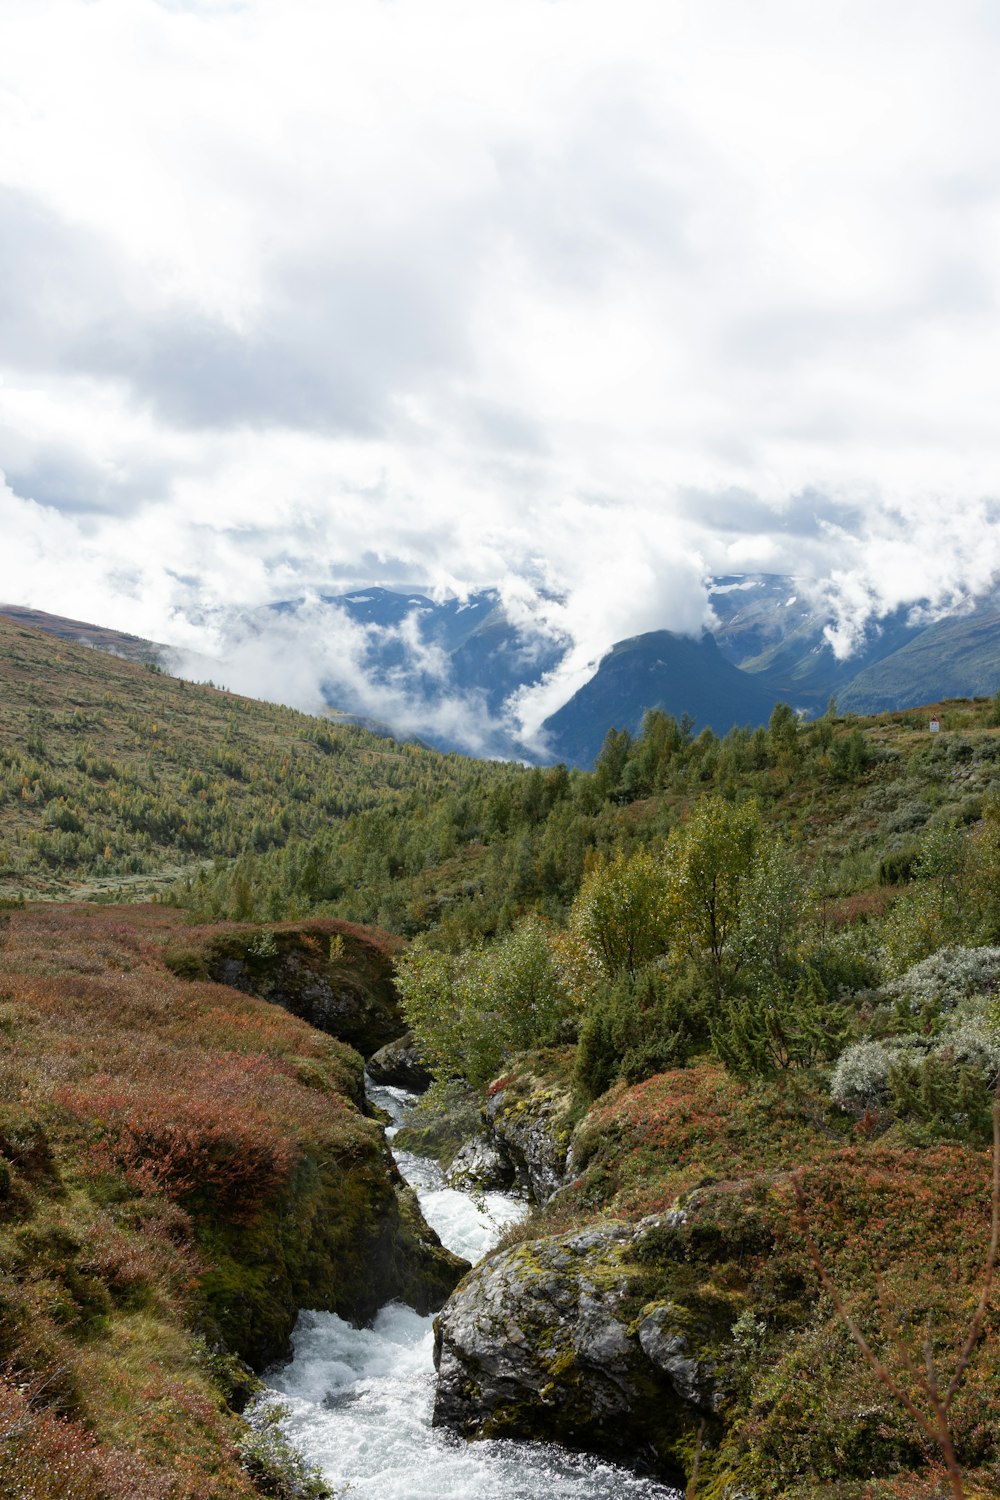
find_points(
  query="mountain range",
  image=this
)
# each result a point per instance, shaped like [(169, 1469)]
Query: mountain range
[(769, 644)]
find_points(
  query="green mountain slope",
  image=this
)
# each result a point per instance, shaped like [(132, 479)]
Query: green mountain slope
[(953, 658), (115, 776)]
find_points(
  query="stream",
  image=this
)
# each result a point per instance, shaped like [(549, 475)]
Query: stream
[(359, 1400)]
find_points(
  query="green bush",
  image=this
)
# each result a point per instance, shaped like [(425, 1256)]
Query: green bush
[(765, 1029), (641, 1025), (471, 1011)]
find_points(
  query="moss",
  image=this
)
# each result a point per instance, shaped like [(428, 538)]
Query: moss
[(341, 1238), (344, 988)]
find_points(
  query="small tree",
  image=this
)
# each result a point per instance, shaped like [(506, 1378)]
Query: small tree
[(622, 912), (783, 734), (709, 862)]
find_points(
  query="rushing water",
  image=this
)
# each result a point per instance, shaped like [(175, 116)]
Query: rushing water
[(359, 1400)]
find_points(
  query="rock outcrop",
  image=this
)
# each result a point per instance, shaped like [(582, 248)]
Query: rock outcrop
[(335, 976), (481, 1167), (526, 1122), (399, 1064), (576, 1338)]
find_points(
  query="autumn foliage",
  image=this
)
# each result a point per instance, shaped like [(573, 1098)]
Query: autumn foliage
[(153, 1130)]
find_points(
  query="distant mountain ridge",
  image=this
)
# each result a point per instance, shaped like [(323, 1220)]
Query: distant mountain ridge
[(117, 642), (773, 638), (770, 644), (658, 670), (483, 650)]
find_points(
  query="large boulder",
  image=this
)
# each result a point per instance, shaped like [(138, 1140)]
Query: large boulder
[(481, 1167), (334, 975), (566, 1339), (399, 1064)]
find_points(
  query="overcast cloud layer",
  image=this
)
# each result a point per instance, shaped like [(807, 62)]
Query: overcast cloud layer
[(559, 296)]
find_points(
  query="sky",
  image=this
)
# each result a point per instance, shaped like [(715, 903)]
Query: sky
[(582, 301)]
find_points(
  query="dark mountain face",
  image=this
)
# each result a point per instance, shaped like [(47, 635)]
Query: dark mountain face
[(770, 627), (658, 670), (476, 648)]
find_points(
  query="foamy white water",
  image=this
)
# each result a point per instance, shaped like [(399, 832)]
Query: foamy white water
[(360, 1400)]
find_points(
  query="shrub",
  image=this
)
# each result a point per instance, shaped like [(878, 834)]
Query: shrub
[(276, 1467), (898, 868), (860, 1080), (945, 1079), (469, 1013), (938, 984), (641, 1025), (789, 1023)]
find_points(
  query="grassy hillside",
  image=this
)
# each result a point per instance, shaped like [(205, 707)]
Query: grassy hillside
[(115, 777), (751, 956), (182, 1166), (117, 642)]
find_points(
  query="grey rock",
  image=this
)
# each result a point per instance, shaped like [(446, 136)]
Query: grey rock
[(668, 1335), (527, 1130), (554, 1339), (480, 1166), (398, 1063)]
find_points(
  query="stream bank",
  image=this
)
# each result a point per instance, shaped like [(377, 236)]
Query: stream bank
[(360, 1401)]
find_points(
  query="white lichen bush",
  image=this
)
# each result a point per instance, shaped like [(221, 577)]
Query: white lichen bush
[(945, 979), (972, 1043), (860, 1078), (953, 993)]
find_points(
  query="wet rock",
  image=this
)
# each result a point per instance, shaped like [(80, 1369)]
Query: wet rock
[(398, 1064), (480, 1166), (559, 1339), (527, 1125)]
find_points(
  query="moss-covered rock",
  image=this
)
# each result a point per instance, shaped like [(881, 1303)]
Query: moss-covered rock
[(399, 1064), (335, 975), (529, 1120), (573, 1339), (343, 1236)]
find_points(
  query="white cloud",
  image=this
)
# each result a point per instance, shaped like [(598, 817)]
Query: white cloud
[(576, 302), (313, 652)]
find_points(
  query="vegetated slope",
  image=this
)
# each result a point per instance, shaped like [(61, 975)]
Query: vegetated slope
[(182, 1166), (117, 642), (850, 794), (661, 670), (952, 658), (679, 1220), (780, 962), (114, 775)]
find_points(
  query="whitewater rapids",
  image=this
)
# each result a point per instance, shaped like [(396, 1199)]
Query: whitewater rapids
[(359, 1400)]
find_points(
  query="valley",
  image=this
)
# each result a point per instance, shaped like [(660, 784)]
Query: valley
[(723, 1000)]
